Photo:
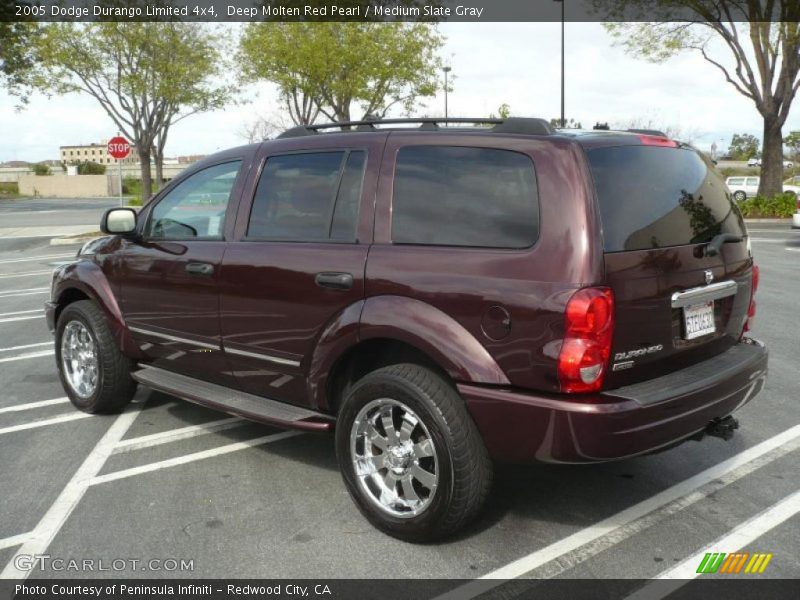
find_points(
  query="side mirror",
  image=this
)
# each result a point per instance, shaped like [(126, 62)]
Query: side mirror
[(118, 221)]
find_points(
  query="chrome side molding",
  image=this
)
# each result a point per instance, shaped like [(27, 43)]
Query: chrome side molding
[(704, 293)]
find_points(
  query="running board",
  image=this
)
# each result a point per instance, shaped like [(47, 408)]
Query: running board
[(234, 402)]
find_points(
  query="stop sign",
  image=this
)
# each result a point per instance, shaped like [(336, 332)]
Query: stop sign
[(118, 147)]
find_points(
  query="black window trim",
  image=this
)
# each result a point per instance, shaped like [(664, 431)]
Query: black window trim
[(174, 184), (347, 151), (449, 247)]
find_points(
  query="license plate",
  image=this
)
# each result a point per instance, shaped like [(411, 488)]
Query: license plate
[(698, 320)]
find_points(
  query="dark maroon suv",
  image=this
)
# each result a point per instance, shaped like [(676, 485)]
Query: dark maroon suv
[(441, 296)]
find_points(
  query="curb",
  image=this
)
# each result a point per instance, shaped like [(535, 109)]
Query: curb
[(771, 220), (69, 241)]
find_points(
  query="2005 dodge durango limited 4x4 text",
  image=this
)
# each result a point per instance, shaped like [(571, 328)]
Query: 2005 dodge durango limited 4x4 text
[(440, 297)]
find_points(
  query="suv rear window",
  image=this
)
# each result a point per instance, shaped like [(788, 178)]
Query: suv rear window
[(655, 197), (457, 196)]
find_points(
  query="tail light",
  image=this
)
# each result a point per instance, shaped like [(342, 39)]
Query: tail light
[(584, 353), (798, 202), (751, 309)]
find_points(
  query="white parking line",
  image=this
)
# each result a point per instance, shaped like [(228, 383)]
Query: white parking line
[(26, 346), (21, 312), (28, 355), (188, 458), (68, 499), (584, 553), (6, 261), (173, 435), (74, 416), (26, 274), (14, 540), (31, 405), (613, 523), (5, 293), (15, 319), (741, 536)]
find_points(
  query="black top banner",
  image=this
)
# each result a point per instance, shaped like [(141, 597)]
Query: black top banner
[(217, 11)]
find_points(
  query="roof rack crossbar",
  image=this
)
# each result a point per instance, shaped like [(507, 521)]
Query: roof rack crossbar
[(510, 125)]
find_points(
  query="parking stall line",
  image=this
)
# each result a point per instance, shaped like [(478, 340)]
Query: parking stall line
[(15, 319), (6, 261), (32, 405), (28, 355), (26, 274), (174, 435), (70, 496), (26, 346), (195, 456), (746, 533), (14, 540), (584, 553), (21, 312), (21, 292), (45, 422), (625, 517)]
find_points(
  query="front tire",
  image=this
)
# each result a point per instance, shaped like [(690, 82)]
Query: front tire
[(739, 196), (410, 454), (93, 371)]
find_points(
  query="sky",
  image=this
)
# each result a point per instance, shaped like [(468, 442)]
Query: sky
[(495, 63)]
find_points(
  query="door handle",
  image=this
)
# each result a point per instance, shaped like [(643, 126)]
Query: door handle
[(203, 269), (336, 281)]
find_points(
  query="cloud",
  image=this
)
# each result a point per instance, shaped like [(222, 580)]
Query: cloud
[(495, 63)]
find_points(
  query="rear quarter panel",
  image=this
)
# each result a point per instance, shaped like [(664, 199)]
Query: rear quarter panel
[(532, 285)]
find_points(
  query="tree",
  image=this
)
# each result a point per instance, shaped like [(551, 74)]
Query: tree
[(762, 43), (328, 67), (743, 146), (41, 169), (146, 76), (16, 56), (793, 142), (570, 124)]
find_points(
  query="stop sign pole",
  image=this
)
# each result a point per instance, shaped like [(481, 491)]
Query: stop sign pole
[(119, 148)]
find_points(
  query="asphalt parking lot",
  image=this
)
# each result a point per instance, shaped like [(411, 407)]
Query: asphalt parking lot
[(168, 480)]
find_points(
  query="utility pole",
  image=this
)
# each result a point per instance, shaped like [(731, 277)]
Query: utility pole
[(563, 118), (446, 71)]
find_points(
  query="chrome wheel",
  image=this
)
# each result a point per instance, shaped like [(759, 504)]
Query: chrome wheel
[(394, 458), (79, 358)]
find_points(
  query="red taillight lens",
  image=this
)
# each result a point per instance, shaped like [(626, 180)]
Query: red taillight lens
[(798, 202), (657, 140), (589, 321), (751, 309)]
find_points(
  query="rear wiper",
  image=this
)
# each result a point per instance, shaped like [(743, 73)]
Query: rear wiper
[(714, 246)]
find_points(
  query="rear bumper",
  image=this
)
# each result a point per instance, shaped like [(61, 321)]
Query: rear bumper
[(629, 421)]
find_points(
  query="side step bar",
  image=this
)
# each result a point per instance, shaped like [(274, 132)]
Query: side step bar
[(234, 402)]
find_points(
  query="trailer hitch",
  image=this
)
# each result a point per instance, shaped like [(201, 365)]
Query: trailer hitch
[(722, 428)]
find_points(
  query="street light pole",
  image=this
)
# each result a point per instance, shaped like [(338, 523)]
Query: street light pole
[(446, 71), (563, 119)]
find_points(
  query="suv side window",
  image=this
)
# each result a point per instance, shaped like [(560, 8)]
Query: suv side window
[(308, 197), (736, 181), (195, 208), (459, 196)]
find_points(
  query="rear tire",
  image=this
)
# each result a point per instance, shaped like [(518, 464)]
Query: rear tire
[(425, 472), (93, 371)]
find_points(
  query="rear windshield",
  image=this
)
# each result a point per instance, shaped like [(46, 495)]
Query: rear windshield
[(654, 197)]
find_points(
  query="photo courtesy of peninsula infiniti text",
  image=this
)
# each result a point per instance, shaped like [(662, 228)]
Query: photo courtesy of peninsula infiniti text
[(439, 295)]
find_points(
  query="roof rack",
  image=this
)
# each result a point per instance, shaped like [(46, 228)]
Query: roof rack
[(520, 125)]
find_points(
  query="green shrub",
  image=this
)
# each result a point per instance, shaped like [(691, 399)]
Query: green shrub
[(9, 189), (41, 169), (782, 205), (91, 168), (131, 186)]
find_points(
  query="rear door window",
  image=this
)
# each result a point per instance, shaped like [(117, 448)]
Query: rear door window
[(459, 196), (656, 197), (736, 181), (308, 197)]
